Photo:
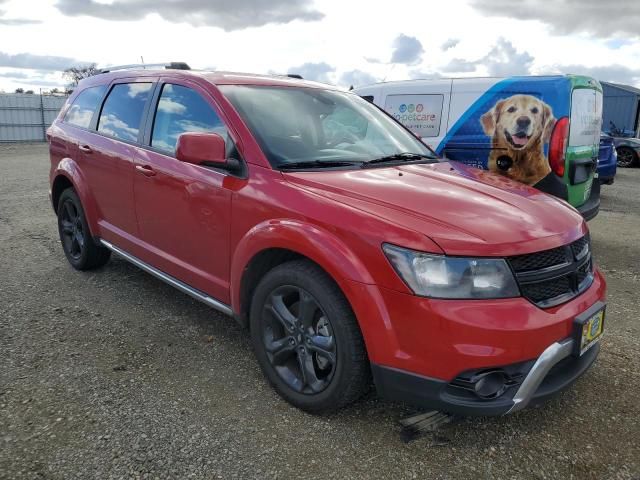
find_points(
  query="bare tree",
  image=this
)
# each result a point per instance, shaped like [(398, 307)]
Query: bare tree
[(77, 73)]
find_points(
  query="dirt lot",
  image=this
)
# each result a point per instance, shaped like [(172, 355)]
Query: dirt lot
[(112, 374)]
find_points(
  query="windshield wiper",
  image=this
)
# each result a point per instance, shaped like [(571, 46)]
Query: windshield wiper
[(318, 164), (399, 157)]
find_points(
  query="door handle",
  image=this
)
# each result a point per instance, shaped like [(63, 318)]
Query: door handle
[(146, 170), (85, 149)]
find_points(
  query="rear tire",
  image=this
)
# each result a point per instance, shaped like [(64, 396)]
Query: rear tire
[(306, 338), (627, 157), (78, 245)]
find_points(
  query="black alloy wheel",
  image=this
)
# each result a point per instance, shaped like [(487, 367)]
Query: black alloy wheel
[(72, 231), (81, 250), (307, 339), (298, 339), (626, 157)]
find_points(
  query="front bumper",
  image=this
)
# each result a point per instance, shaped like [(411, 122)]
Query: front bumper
[(418, 346), (552, 372)]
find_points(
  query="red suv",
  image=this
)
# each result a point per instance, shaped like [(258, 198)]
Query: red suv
[(347, 248)]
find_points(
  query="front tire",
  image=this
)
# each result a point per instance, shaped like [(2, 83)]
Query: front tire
[(79, 247), (306, 338), (627, 157)]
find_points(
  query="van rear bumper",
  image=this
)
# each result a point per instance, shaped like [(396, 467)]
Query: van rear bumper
[(590, 208)]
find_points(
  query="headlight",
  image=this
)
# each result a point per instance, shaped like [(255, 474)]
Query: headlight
[(439, 276)]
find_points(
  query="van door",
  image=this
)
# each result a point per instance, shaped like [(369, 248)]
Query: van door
[(584, 140)]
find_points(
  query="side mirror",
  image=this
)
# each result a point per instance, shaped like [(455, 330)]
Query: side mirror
[(201, 148)]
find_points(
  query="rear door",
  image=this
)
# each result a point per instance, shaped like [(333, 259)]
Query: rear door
[(584, 139), (108, 157), (184, 210)]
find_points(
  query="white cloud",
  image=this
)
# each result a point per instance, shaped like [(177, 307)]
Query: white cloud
[(503, 60), (449, 44), (335, 40), (356, 78), (318, 72), (38, 62), (229, 15), (407, 50), (600, 17)]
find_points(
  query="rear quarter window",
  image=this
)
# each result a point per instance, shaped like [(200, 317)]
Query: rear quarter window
[(84, 106)]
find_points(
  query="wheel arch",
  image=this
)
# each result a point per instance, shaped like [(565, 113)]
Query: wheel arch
[(68, 174), (275, 242), (60, 183)]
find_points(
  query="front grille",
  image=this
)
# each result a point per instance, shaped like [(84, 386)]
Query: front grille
[(537, 261), (580, 248), (555, 276), (542, 291)]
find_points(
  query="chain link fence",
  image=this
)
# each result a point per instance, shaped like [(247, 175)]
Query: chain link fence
[(26, 117)]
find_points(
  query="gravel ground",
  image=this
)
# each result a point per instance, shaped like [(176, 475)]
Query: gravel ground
[(113, 374)]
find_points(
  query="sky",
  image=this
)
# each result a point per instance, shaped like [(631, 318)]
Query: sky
[(339, 42)]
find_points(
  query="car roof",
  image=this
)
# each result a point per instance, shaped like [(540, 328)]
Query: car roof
[(213, 77)]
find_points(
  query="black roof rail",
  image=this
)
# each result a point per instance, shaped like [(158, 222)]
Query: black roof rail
[(144, 66), (295, 75)]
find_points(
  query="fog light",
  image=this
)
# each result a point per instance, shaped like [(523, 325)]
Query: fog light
[(490, 385)]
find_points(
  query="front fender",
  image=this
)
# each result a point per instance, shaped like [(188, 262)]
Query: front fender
[(337, 259), (69, 169), (309, 240)]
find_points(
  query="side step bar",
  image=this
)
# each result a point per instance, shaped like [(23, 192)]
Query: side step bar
[(174, 282)]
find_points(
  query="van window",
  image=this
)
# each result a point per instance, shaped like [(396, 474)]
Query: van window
[(419, 113), (181, 109), (83, 107), (586, 117), (122, 110)]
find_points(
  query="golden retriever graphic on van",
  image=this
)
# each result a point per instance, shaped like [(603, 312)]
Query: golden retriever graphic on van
[(519, 127)]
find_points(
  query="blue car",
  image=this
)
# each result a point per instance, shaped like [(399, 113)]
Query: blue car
[(607, 159)]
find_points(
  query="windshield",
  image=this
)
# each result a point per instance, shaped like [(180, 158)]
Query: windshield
[(296, 125)]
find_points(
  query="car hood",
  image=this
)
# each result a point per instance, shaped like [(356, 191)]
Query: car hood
[(466, 211)]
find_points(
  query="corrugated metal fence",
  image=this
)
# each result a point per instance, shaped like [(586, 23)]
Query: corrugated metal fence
[(25, 117)]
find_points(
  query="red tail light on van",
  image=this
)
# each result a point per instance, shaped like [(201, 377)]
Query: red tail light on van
[(558, 146)]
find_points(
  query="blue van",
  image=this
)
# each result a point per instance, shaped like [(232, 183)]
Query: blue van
[(543, 131)]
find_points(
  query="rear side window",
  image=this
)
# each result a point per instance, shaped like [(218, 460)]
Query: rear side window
[(181, 109), (122, 110), (83, 107), (586, 117)]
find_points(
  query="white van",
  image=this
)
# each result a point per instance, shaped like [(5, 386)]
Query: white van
[(543, 131)]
